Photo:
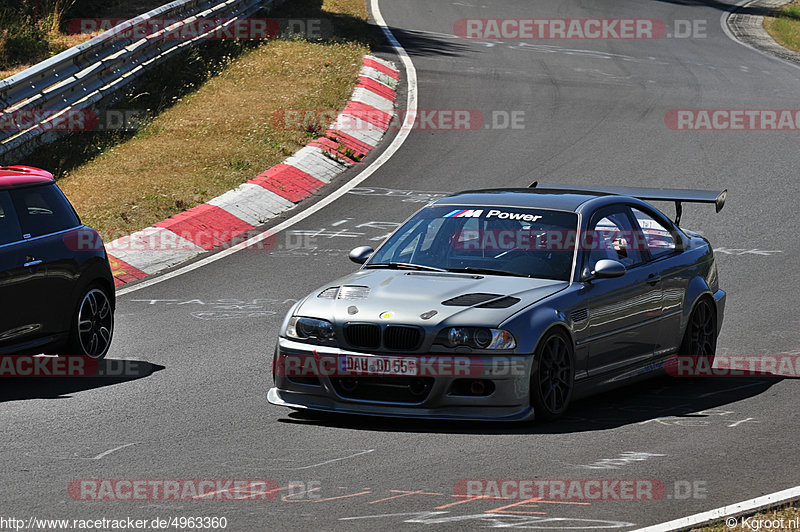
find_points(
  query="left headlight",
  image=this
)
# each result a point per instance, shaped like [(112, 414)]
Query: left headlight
[(476, 338), (310, 329)]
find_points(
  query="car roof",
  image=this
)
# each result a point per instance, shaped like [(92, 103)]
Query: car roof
[(20, 176), (522, 197)]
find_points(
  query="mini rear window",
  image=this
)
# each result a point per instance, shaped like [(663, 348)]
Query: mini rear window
[(42, 210)]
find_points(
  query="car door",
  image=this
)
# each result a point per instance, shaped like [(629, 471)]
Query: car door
[(623, 312), (664, 244), (44, 216), (19, 319)]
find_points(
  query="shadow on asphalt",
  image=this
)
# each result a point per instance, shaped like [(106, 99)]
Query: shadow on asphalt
[(108, 373), (349, 28), (663, 400), (419, 43)]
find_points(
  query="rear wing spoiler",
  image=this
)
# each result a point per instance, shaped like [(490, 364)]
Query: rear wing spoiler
[(676, 195)]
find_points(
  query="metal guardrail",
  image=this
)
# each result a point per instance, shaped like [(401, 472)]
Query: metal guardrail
[(87, 75)]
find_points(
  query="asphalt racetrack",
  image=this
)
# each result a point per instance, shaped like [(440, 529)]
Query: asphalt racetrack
[(562, 111)]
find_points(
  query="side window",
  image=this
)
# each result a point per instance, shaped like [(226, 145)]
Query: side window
[(9, 228), (611, 236), (657, 238), (42, 210)]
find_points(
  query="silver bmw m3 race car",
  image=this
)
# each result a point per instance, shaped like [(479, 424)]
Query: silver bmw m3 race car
[(506, 305)]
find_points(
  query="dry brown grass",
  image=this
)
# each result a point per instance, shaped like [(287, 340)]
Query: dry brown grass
[(215, 138), (58, 43), (347, 7), (785, 26)]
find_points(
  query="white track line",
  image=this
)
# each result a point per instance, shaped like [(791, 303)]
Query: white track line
[(106, 453), (397, 142), (367, 451), (726, 511)]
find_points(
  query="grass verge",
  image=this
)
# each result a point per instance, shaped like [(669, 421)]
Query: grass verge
[(784, 26), (786, 519), (210, 139)]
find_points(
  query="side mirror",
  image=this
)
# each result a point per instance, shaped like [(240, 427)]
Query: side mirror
[(360, 254), (607, 269)]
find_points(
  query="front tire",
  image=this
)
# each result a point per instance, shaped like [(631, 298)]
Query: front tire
[(553, 380), (92, 325)]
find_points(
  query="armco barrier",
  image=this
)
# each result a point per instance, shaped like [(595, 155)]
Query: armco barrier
[(90, 74)]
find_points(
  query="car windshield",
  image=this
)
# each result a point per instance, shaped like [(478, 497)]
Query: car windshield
[(485, 240)]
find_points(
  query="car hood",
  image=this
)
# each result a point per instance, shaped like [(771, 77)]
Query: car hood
[(425, 298)]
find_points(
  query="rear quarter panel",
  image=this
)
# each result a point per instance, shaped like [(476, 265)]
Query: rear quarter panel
[(686, 278)]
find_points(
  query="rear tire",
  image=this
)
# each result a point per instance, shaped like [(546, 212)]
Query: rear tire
[(553, 381), (700, 338), (92, 325)]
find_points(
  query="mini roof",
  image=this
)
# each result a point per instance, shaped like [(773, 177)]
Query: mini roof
[(19, 176)]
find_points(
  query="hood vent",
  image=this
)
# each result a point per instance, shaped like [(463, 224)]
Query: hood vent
[(469, 300), (503, 302), (329, 293), (353, 293)]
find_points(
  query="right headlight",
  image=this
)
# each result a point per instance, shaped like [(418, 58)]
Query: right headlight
[(476, 338), (300, 328)]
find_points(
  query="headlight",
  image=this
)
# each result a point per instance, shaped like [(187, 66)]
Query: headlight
[(310, 329), (476, 337)]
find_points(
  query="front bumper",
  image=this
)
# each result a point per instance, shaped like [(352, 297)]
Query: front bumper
[(508, 400)]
